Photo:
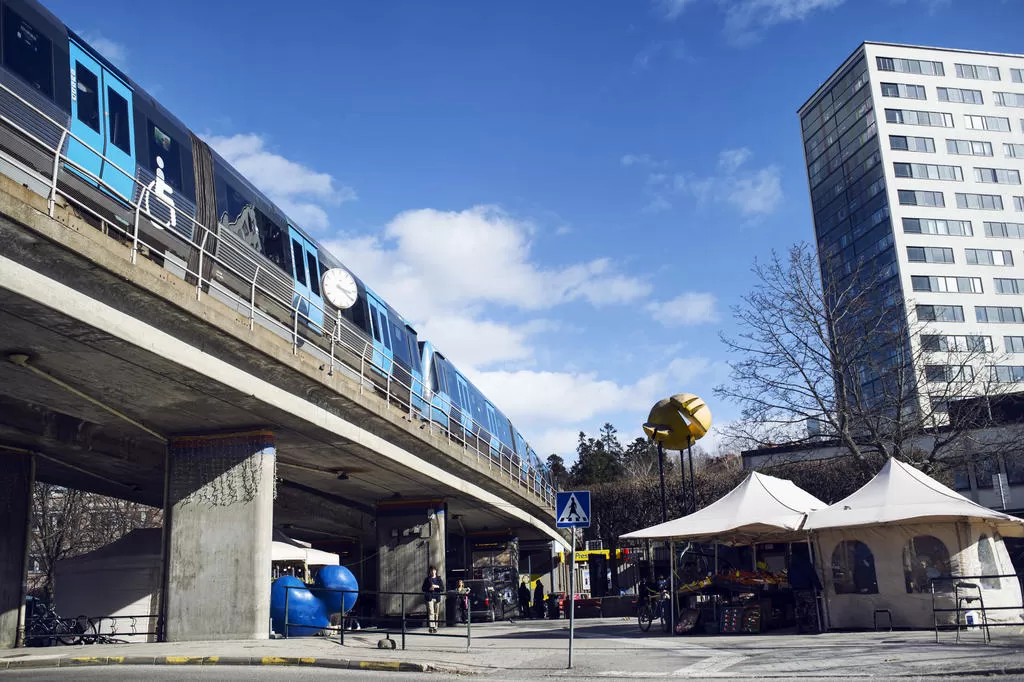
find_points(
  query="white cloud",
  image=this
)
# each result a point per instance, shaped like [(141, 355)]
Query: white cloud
[(113, 51), (412, 264), (746, 20), (685, 309), (671, 9), (298, 190), (528, 396), (753, 192)]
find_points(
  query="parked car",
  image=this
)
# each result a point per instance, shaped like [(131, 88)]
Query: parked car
[(483, 600)]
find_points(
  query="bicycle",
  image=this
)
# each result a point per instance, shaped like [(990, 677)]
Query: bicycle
[(648, 614), (45, 627)]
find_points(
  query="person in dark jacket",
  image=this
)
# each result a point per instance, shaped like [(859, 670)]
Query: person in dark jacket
[(538, 600), (433, 588), (524, 599)]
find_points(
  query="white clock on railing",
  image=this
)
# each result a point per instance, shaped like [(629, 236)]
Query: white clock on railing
[(339, 288)]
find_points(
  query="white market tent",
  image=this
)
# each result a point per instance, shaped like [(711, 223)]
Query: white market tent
[(760, 509), (879, 547)]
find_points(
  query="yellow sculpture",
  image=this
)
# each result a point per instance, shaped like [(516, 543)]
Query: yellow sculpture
[(677, 422)]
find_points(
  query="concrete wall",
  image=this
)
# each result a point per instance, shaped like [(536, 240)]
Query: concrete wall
[(220, 524), (16, 477), (411, 538)]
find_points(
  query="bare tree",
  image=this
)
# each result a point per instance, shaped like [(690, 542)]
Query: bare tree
[(68, 522), (839, 351)]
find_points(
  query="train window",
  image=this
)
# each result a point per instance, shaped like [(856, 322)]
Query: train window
[(166, 147), (300, 262), (27, 52), (118, 122), (314, 281), (400, 341), (88, 95)]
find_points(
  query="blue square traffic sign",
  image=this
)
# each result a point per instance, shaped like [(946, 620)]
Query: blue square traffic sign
[(572, 509)]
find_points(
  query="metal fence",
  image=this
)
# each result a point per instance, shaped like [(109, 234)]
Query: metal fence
[(968, 592), (403, 625), (338, 343)]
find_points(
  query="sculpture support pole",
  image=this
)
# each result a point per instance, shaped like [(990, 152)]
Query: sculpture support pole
[(661, 475), (693, 489)]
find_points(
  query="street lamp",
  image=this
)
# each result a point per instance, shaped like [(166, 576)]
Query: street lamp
[(677, 423)]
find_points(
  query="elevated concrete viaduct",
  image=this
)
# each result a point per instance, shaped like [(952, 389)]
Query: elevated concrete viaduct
[(117, 378)]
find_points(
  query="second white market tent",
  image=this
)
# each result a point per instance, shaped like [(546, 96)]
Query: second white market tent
[(880, 547)]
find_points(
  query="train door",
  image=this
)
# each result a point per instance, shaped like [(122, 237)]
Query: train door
[(440, 403), (102, 118), (383, 351), (306, 299), (492, 426), (466, 410)]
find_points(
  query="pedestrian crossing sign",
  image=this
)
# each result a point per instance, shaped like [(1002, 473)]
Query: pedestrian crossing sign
[(572, 509)]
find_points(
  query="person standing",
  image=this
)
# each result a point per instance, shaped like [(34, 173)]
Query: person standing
[(524, 599), (538, 600), (463, 596), (433, 588)]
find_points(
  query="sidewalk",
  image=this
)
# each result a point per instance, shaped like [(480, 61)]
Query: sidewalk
[(604, 647)]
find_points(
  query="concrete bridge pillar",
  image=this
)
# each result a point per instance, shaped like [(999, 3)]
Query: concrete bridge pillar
[(410, 539), (219, 515), (17, 475)]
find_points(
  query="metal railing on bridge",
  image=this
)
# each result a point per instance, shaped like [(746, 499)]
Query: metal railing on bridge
[(341, 346)]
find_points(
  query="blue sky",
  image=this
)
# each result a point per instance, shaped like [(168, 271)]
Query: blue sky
[(566, 197)]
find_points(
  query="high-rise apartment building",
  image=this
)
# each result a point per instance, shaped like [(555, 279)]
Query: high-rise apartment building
[(915, 158)]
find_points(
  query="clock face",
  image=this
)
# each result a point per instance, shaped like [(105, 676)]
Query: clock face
[(339, 288)]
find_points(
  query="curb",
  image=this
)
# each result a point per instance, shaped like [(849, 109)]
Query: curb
[(337, 663)]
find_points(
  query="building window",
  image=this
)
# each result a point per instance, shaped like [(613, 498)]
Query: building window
[(1012, 230), (1018, 204), (1006, 374), (1014, 468), (913, 117), (1009, 285), (903, 91), (996, 123), (969, 147), (1013, 150), (998, 314), (912, 144), (984, 469), (953, 228), (1002, 176), (977, 72), (959, 95), (1017, 75), (989, 565), (928, 171), (929, 254), (989, 202), (961, 479), (956, 343), (1009, 99), (1014, 344), (853, 568), (945, 374), (925, 559), (953, 285), (989, 256), (940, 313), (909, 197), (917, 66)]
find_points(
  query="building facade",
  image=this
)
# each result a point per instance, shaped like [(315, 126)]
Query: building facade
[(915, 159)]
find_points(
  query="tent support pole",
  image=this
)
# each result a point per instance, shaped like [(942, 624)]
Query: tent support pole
[(824, 602), (672, 585)]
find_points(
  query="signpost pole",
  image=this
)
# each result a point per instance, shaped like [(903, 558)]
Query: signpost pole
[(572, 595)]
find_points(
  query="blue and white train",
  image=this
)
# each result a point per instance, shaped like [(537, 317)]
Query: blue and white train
[(126, 155)]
